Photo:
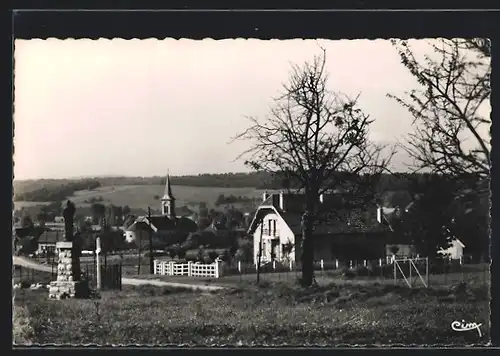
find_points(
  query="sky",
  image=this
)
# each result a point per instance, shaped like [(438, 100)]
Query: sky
[(144, 107)]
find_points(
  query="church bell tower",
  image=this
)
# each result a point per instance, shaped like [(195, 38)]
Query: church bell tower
[(168, 201)]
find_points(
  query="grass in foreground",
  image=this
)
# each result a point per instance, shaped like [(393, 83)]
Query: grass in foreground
[(258, 315)]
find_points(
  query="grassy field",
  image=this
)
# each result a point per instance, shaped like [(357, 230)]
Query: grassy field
[(142, 196), (269, 314)]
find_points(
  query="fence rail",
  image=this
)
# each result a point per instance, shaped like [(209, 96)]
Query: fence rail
[(192, 269)]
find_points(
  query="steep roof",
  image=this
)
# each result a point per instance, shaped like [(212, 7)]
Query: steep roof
[(167, 195), (164, 223), (34, 231), (50, 237), (341, 222), (345, 222)]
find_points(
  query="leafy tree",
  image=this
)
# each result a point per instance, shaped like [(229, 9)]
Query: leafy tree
[(126, 210), (26, 221), (427, 224), (311, 135), (98, 212)]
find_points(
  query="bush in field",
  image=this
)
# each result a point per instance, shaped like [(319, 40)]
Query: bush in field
[(212, 255)]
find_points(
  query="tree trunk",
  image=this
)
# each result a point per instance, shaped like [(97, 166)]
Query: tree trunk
[(307, 257)]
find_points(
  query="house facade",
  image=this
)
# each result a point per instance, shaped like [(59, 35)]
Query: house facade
[(277, 232), (455, 251)]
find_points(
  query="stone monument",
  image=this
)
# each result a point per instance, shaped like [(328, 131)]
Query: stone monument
[(69, 283)]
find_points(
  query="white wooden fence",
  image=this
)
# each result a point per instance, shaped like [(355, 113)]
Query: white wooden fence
[(191, 269)]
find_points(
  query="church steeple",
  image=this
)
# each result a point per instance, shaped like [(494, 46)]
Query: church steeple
[(168, 200)]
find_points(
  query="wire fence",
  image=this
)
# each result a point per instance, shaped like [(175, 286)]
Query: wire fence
[(440, 271), (436, 272)]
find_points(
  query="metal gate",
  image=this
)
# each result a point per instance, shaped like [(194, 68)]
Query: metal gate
[(111, 276), (409, 269)]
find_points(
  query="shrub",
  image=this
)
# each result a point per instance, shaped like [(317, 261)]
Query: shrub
[(25, 284), (212, 255)]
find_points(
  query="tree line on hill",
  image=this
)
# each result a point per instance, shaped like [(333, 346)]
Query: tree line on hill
[(51, 191), (56, 192)]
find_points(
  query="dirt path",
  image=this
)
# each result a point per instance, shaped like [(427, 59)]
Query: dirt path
[(20, 261)]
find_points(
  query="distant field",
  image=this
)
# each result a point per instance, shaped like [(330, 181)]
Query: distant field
[(142, 196), (28, 204)]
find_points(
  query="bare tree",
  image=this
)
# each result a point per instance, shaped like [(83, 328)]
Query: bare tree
[(455, 85), (310, 136)]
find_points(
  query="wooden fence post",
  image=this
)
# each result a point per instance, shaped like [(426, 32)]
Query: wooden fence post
[(120, 276), (98, 263), (171, 268)]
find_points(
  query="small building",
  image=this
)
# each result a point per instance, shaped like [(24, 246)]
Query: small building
[(47, 242), (455, 251)]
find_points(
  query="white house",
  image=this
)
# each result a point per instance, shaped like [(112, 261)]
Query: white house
[(455, 251), (276, 228)]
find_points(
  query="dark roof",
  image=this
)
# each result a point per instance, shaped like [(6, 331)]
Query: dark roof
[(51, 237), (348, 222), (164, 223), (34, 231), (344, 221)]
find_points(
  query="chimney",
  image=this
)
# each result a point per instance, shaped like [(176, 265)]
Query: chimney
[(282, 201), (265, 195), (379, 214)]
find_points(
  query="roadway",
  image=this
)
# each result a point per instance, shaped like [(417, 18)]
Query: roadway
[(25, 262)]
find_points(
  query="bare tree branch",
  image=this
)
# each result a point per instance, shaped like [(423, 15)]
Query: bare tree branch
[(317, 138), (445, 108)]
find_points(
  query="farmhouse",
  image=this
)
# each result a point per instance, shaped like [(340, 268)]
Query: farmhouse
[(277, 224), (166, 225)]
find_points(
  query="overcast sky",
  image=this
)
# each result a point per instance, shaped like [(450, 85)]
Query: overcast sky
[(142, 107)]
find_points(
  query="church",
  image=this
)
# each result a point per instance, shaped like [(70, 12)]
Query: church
[(167, 228)]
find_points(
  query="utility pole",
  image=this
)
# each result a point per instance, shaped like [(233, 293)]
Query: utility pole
[(151, 259), (139, 252)]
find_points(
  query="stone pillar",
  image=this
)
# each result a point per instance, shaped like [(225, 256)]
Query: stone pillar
[(68, 283)]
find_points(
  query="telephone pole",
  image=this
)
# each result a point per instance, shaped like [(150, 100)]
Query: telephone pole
[(151, 259)]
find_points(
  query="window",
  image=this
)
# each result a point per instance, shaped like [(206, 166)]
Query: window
[(274, 227), (269, 222)]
